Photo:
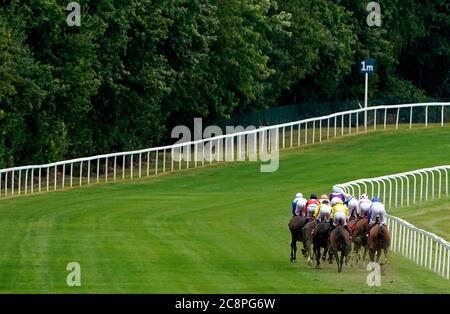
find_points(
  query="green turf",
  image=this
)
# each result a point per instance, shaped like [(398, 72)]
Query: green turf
[(222, 229), (434, 216)]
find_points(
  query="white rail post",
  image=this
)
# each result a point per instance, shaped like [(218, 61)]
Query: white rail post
[(171, 154), (421, 186), (435, 257), (156, 162), (123, 166), (422, 245), (71, 174), (6, 183), (292, 131), (26, 182), (131, 166), (12, 182), (385, 118), (448, 264), (64, 175), (342, 125), (430, 261), (89, 172), (106, 169), (140, 165), (164, 161), (350, 123), (32, 180), (181, 152), (314, 132), (284, 137), (335, 125), (115, 167), (81, 173), (306, 133), (446, 180), (20, 179), (98, 169), (148, 163), (56, 176), (203, 151), (426, 116), (48, 179), (410, 117), (210, 151), (442, 116), (299, 134), (195, 155), (328, 130), (40, 179), (396, 121)]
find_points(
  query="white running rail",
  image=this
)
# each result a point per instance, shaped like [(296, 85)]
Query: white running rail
[(231, 147), (424, 248)]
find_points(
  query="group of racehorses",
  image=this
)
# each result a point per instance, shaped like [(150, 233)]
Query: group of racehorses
[(337, 243)]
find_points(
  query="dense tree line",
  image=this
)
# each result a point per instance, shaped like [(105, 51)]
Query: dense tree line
[(135, 68)]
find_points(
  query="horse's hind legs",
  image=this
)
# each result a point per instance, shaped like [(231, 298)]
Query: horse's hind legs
[(293, 251)]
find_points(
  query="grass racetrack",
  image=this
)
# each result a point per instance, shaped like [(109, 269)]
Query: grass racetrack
[(221, 229)]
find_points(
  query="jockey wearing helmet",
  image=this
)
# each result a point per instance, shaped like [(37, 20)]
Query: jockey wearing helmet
[(311, 206), (339, 215), (353, 207), (364, 205), (323, 212), (298, 204), (377, 210), (337, 192)]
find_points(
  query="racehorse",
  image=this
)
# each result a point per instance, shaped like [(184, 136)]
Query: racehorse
[(320, 240), (308, 234), (359, 237), (340, 242), (295, 227), (379, 239)]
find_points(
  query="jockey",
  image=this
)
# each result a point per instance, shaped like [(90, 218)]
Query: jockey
[(298, 204), (323, 212), (353, 207), (364, 206), (311, 206), (339, 215), (377, 211), (337, 192)]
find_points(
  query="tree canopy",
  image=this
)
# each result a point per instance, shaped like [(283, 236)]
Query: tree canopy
[(136, 68)]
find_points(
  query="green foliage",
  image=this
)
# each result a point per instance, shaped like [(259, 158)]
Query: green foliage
[(136, 68)]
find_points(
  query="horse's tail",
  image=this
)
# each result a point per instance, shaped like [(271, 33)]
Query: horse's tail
[(341, 239), (381, 236)]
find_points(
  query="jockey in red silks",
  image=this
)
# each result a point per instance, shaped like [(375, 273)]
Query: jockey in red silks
[(311, 206)]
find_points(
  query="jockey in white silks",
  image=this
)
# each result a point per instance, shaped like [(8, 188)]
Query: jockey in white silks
[(353, 207), (339, 215), (364, 206), (323, 212), (298, 204), (377, 210)]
